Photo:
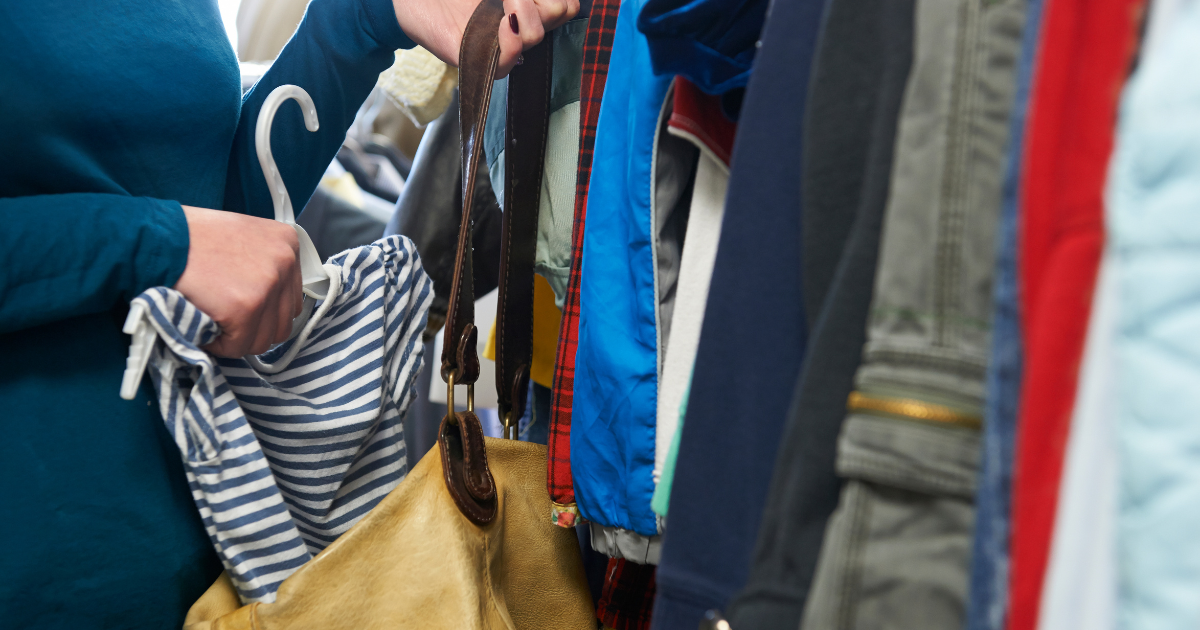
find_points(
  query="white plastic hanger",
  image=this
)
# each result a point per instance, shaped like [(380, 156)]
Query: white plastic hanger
[(315, 277)]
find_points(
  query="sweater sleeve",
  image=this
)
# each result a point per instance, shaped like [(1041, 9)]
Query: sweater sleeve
[(119, 245), (336, 55)]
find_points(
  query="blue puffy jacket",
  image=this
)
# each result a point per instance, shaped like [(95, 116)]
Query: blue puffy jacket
[(616, 365), (1154, 219)]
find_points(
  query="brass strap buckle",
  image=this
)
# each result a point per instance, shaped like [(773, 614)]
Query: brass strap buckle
[(510, 426), (450, 396)]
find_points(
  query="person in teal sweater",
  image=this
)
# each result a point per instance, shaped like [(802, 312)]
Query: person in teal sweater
[(127, 161)]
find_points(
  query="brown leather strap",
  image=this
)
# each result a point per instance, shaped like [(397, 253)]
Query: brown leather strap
[(477, 59), (460, 438), (524, 157)]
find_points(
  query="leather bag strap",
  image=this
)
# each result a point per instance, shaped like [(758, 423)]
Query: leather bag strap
[(477, 59), (460, 437), (525, 150), (527, 124)]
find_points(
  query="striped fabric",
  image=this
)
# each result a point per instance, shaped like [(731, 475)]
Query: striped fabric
[(597, 48), (282, 459)]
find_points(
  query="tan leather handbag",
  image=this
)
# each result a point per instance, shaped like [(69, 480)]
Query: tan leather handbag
[(466, 540)]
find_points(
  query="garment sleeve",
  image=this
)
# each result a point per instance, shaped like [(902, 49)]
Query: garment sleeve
[(336, 56), (119, 246)]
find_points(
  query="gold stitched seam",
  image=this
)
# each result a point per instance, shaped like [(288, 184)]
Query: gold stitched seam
[(912, 409)]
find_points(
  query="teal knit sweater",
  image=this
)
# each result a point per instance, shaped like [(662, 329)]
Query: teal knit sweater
[(112, 114)]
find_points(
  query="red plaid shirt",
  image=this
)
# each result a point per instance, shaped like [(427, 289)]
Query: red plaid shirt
[(628, 596), (597, 48)]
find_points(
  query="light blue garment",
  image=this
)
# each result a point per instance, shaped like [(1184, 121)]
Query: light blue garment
[(1154, 220), (616, 365), (283, 456), (987, 600)]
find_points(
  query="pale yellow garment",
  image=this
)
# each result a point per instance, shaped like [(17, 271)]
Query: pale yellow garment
[(343, 187), (546, 318), (264, 26), (420, 84)]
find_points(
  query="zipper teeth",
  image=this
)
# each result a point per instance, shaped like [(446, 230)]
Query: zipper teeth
[(913, 409)]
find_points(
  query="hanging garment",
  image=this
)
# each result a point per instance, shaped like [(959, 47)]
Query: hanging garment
[(858, 78), (420, 85), (674, 165), (366, 174), (696, 119), (666, 478), (546, 321), (336, 225), (1154, 198), (597, 49), (615, 397), (987, 597), (1081, 585), (628, 596), (284, 457), (711, 43), (553, 257), (1082, 63), (1080, 589), (737, 399), (427, 212), (896, 551)]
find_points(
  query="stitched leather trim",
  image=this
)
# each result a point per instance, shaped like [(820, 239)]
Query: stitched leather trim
[(465, 467)]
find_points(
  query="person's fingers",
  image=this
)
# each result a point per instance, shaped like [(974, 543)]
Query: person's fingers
[(236, 338), (555, 13), (286, 289), (297, 300), (520, 30), (510, 48), (528, 22), (292, 302), (223, 345), (268, 323), (283, 317)]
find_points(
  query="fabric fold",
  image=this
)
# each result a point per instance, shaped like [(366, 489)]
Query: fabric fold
[(281, 462)]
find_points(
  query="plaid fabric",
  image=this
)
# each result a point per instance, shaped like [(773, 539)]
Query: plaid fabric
[(628, 595), (597, 47)]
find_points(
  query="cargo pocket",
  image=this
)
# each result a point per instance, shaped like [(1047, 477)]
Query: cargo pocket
[(896, 550)]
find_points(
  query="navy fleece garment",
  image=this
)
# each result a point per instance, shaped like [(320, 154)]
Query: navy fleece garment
[(752, 342), (857, 88), (710, 42), (115, 112)]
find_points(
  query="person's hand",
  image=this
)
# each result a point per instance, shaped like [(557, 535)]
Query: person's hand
[(244, 272), (437, 25)]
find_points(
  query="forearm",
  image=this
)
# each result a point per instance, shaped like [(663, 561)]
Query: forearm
[(73, 254), (336, 55)]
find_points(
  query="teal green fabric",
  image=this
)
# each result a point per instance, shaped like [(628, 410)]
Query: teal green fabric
[(115, 112), (662, 492)]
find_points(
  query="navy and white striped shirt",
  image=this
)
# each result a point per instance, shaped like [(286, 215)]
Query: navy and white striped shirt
[(282, 459)]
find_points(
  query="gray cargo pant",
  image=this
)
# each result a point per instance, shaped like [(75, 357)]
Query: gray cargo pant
[(896, 550)]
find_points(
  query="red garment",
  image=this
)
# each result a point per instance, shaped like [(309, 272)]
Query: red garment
[(597, 48), (698, 115), (1086, 48), (628, 595)]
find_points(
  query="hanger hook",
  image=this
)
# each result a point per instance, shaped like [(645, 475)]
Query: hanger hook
[(262, 143)]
